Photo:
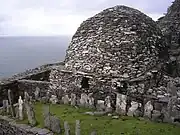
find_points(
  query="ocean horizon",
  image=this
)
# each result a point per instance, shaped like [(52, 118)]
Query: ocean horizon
[(18, 54)]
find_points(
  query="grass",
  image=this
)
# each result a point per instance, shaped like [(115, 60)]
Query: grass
[(105, 125)]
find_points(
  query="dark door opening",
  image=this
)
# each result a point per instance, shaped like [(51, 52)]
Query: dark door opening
[(85, 83)]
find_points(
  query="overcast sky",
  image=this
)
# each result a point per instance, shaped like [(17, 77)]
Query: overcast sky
[(62, 17)]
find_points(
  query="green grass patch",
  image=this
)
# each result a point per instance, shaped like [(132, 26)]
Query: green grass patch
[(105, 125)]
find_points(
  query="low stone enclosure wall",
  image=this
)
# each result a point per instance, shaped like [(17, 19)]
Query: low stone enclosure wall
[(8, 126), (32, 87), (51, 123), (157, 98)]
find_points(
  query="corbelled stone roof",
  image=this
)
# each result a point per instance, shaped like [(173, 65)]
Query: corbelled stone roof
[(119, 40)]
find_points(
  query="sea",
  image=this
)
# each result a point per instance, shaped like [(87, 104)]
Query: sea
[(18, 54)]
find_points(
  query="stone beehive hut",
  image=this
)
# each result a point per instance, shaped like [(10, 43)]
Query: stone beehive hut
[(117, 41), (114, 60), (115, 47)]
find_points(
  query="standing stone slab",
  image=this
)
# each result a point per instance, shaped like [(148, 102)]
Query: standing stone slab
[(65, 99), (171, 88), (148, 108), (17, 112), (133, 108), (66, 128), (26, 96), (47, 121), (53, 99), (5, 107), (172, 112), (121, 104), (30, 110), (108, 107), (100, 105), (30, 114), (78, 128), (55, 124), (73, 99), (90, 100), (84, 100), (52, 123), (10, 102), (37, 94), (157, 116), (20, 103), (46, 110)]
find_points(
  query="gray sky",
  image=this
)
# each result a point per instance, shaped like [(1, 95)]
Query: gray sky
[(62, 17)]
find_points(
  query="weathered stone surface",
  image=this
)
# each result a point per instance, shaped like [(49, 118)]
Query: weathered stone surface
[(37, 93), (108, 107), (91, 100), (133, 108), (119, 50), (20, 108), (157, 116), (66, 128), (55, 124), (53, 99), (5, 107), (52, 123), (73, 99), (100, 105), (96, 47), (65, 99), (78, 128), (170, 26), (121, 104), (11, 104), (115, 117), (10, 127), (84, 100), (148, 108), (46, 110), (30, 111)]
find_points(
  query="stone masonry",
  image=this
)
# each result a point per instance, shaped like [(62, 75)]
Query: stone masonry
[(119, 55), (10, 127)]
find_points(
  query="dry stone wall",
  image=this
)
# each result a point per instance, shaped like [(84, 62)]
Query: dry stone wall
[(141, 97), (170, 26), (32, 87), (10, 127)]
